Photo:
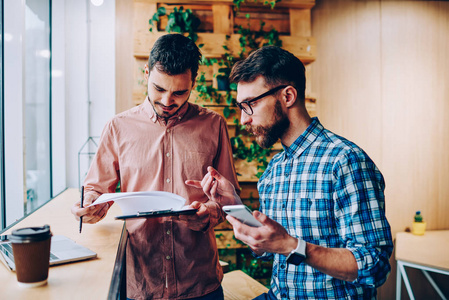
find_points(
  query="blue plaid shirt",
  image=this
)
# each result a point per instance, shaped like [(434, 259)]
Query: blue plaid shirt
[(327, 191)]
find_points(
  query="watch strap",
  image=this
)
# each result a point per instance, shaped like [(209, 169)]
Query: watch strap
[(297, 255)]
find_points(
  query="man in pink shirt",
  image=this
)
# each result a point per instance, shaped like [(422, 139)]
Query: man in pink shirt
[(157, 146)]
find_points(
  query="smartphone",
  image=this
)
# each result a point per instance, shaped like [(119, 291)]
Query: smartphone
[(243, 214)]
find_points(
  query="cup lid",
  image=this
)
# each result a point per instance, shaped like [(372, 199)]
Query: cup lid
[(30, 234)]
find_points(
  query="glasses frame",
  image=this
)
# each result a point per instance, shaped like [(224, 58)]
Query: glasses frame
[(247, 102)]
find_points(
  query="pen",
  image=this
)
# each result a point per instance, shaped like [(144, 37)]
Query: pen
[(81, 206)]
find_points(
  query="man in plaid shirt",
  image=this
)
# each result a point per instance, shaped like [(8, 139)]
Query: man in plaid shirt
[(321, 199)]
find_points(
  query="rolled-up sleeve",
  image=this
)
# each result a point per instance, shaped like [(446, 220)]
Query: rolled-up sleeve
[(360, 213), (104, 175)]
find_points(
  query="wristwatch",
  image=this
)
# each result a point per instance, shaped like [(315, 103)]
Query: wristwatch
[(298, 255)]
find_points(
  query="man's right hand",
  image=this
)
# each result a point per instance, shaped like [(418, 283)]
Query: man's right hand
[(217, 188), (91, 214)]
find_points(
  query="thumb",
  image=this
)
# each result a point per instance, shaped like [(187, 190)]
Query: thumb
[(195, 204), (261, 217)]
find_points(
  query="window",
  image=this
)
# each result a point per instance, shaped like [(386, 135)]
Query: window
[(2, 157), (37, 104), (26, 108)]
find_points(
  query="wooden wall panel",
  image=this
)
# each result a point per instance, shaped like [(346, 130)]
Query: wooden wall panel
[(347, 75), (380, 79), (415, 96), (124, 59)]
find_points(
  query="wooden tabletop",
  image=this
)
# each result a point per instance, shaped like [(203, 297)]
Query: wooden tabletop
[(239, 286), (430, 249), (81, 280), (91, 279)]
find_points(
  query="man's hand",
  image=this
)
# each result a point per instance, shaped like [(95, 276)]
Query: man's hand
[(270, 237), (217, 188), (91, 214), (200, 220)]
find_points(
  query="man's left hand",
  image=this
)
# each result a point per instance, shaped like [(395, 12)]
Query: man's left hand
[(270, 237), (200, 220)]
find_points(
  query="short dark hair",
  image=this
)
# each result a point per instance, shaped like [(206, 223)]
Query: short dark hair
[(174, 54), (276, 65)]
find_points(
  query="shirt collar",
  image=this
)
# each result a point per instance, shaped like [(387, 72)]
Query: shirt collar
[(149, 109), (305, 139)]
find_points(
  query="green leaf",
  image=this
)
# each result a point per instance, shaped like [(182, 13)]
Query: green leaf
[(161, 11)]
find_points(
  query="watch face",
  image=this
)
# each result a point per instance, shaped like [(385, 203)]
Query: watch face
[(295, 259)]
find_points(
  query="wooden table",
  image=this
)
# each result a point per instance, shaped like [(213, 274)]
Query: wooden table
[(92, 279), (81, 280), (239, 286), (428, 252)]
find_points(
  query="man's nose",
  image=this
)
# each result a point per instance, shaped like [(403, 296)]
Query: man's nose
[(245, 119), (166, 99)]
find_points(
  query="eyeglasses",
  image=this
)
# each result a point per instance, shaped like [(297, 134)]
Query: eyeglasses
[(246, 105)]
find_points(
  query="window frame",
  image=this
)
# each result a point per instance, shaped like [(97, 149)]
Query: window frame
[(12, 166)]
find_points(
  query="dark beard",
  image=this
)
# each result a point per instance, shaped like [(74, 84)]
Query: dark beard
[(266, 136)]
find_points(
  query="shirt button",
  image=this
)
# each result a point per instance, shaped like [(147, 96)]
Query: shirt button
[(284, 296), (168, 231), (283, 205), (168, 130), (168, 154), (168, 180), (179, 117), (168, 257), (282, 267)]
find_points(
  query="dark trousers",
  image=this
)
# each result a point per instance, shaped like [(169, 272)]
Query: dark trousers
[(215, 295)]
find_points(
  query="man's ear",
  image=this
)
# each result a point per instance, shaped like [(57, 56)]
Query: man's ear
[(147, 72), (289, 96)]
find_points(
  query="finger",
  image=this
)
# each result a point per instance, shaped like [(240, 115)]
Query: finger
[(102, 212), (194, 183), (214, 173), (89, 199), (232, 220), (214, 189), (79, 212), (207, 185), (91, 220)]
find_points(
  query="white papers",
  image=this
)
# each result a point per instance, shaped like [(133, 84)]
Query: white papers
[(134, 202)]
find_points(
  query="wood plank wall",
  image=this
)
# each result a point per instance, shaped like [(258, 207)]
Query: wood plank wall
[(381, 79)]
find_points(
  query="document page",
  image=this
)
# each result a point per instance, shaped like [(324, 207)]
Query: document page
[(135, 202)]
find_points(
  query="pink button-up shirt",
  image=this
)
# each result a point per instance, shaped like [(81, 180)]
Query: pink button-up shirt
[(165, 259)]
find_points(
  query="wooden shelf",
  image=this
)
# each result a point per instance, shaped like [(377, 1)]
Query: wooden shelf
[(283, 3), (303, 48)]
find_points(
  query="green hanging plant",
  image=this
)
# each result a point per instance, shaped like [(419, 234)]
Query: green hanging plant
[(272, 3), (256, 39), (180, 20)]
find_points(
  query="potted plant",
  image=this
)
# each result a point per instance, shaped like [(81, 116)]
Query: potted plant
[(418, 226)]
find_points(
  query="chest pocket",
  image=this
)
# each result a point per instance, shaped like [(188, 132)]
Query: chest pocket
[(318, 220), (195, 164)]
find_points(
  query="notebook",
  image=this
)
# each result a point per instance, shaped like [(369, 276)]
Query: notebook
[(62, 250)]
